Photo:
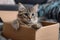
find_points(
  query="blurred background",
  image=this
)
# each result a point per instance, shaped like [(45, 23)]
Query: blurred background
[(11, 4)]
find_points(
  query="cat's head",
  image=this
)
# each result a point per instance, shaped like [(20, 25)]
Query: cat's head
[(28, 13)]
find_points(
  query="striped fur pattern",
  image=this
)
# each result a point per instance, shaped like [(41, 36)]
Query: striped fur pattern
[(28, 16)]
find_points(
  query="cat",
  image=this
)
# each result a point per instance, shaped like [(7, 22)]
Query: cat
[(27, 16)]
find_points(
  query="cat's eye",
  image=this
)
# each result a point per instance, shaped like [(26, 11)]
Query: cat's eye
[(26, 14), (20, 14), (32, 14)]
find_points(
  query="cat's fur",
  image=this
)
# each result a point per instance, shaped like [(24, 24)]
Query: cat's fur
[(27, 16)]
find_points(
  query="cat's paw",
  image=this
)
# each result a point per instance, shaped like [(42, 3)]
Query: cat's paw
[(36, 26), (15, 25)]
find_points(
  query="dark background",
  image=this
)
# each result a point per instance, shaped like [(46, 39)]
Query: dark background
[(30, 1), (15, 7)]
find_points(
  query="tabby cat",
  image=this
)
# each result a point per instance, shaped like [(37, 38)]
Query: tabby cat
[(27, 16)]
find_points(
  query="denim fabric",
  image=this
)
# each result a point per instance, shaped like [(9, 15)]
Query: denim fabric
[(50, 10), (44, 9)]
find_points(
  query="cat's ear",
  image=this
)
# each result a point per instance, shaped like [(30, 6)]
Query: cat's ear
[(21, 7), (35, 8)]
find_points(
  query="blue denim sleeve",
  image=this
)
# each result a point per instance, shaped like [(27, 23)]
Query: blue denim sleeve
[(44, 10)]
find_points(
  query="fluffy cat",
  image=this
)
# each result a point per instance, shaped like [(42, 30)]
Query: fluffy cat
[(27, 16)]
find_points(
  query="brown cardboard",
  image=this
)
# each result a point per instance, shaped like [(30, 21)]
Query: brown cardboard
[(49, 31), (8, 16), (44, 33)]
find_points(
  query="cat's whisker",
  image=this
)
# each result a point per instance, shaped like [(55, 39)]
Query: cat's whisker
[(28, 16)]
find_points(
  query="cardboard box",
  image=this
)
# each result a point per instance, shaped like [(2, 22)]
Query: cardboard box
[(8, 16), (49, 31)]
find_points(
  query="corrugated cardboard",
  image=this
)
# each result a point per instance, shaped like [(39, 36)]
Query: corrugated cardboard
[(49, 31)]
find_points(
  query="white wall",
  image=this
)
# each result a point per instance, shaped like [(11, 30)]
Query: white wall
[(8, 2)]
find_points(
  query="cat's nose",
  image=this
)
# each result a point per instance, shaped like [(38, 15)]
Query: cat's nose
[(29, 17)]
